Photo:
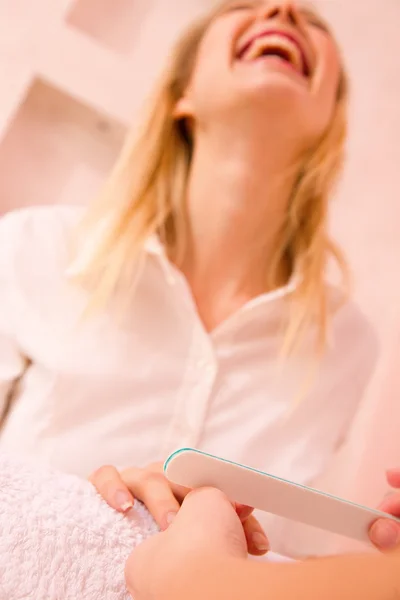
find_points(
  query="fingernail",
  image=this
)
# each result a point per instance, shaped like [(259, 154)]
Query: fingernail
[(260, 542), (386, 535), (123, 501), (170, 517)]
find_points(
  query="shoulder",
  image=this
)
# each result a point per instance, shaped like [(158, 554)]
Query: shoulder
[(36, 234), (44, 223), (35, 247), (352, 335)]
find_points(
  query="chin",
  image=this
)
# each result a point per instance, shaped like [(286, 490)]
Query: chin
[(278, 95), (283, 109), (275, 84)]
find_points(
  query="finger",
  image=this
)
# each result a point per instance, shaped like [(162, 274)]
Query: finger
[(257, 541), (393, 477), (207, 516), (179, 491), (154, 491), (109, 484), (391, 505), (385, 534), (243, 511)]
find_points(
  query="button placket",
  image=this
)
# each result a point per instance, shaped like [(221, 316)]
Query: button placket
[(197, 409), (194, 395)]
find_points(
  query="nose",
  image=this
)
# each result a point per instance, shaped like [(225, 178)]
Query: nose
[(284, 11)]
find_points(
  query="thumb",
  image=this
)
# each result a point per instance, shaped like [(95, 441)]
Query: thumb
[(206, 522), (210, 519)]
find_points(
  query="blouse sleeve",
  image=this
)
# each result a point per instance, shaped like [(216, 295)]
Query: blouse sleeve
[(12, 361)]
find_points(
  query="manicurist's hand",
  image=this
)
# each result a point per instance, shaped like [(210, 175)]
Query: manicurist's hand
[(206, 530), (203, 555)]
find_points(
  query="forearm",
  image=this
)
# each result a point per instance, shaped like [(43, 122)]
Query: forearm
[(347, 578), (368, 577)]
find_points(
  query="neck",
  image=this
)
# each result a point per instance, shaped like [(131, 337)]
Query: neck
[(237, 204)]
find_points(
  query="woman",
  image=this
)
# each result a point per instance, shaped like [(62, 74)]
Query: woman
[(196, 312), (203, 555)]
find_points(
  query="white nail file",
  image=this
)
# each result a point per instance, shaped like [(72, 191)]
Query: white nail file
[(244, 485)]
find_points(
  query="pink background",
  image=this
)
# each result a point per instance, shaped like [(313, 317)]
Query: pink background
[(73, 76)]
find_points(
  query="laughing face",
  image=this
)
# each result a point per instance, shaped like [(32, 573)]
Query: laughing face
[(276, 58)]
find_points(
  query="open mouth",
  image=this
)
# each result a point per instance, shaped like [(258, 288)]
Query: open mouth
[(278, 45)]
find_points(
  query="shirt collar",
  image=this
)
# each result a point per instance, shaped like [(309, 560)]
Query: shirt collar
[(153, 246)]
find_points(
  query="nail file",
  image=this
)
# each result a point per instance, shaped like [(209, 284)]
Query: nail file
[(244, 485)]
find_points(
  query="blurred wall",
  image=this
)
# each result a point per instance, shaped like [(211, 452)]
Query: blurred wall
[(74, 74)]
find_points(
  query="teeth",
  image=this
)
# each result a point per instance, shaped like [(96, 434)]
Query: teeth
[(275, 42)]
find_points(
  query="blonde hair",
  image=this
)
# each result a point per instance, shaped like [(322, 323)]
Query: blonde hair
[(145, 195)]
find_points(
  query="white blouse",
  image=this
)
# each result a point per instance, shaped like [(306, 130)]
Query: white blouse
[(79, 393)]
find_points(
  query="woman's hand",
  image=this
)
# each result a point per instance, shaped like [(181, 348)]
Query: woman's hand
[(206, 532), (163, 499), (384, 533), (149, 486)]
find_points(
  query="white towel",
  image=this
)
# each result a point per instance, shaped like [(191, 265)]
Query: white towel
[(59, 540)]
